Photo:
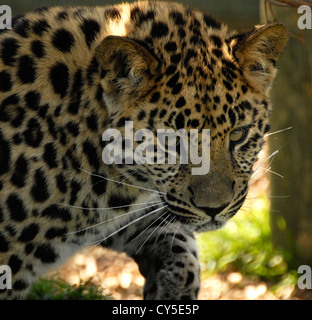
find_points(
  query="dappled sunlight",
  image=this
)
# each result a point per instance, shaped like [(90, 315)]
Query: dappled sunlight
[(116, 274)]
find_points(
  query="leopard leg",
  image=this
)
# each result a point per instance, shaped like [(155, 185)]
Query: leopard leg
[(171, 268)]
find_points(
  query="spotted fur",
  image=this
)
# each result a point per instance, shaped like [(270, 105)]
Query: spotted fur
[(69, 73)]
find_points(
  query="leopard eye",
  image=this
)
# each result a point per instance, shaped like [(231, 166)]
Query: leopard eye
[(238, 135)]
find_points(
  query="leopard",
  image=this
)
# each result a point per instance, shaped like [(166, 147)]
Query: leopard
[(70, 73)]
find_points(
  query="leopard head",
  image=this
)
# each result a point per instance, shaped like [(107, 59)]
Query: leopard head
[(192, 74)]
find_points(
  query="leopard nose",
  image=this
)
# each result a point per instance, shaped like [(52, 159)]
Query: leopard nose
[(212, 190), (212, 212)]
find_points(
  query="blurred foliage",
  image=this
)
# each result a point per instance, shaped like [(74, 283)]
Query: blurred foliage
[(244, 245), (58, 289)]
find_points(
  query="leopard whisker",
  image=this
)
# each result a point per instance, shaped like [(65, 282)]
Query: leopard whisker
[(174, 236), (128, 224), (280, 197), (123, 183), (121, 175), (168, 229), (113, 218), (100, 209), (266, 170), (249, 212), (268, 196), (115, 186), (278, 131), (150, 233), (272, 155), (147, 227), (273, 172), (253, 181), (162, 228), (256, 171)]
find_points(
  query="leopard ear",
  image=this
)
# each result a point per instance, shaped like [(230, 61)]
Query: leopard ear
[(128, 67), (257, 52)]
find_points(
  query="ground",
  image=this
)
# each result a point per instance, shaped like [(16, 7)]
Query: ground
[(119, 277)]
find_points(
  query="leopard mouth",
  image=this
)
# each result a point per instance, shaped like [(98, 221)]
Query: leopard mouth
[(192, 215), (202, 219), (196, 223)]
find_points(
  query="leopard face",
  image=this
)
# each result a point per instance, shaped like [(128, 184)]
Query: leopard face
[(193, 74), (69, 74)]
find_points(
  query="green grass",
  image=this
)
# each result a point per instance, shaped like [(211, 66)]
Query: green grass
[(244, 245), (58, 289)]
